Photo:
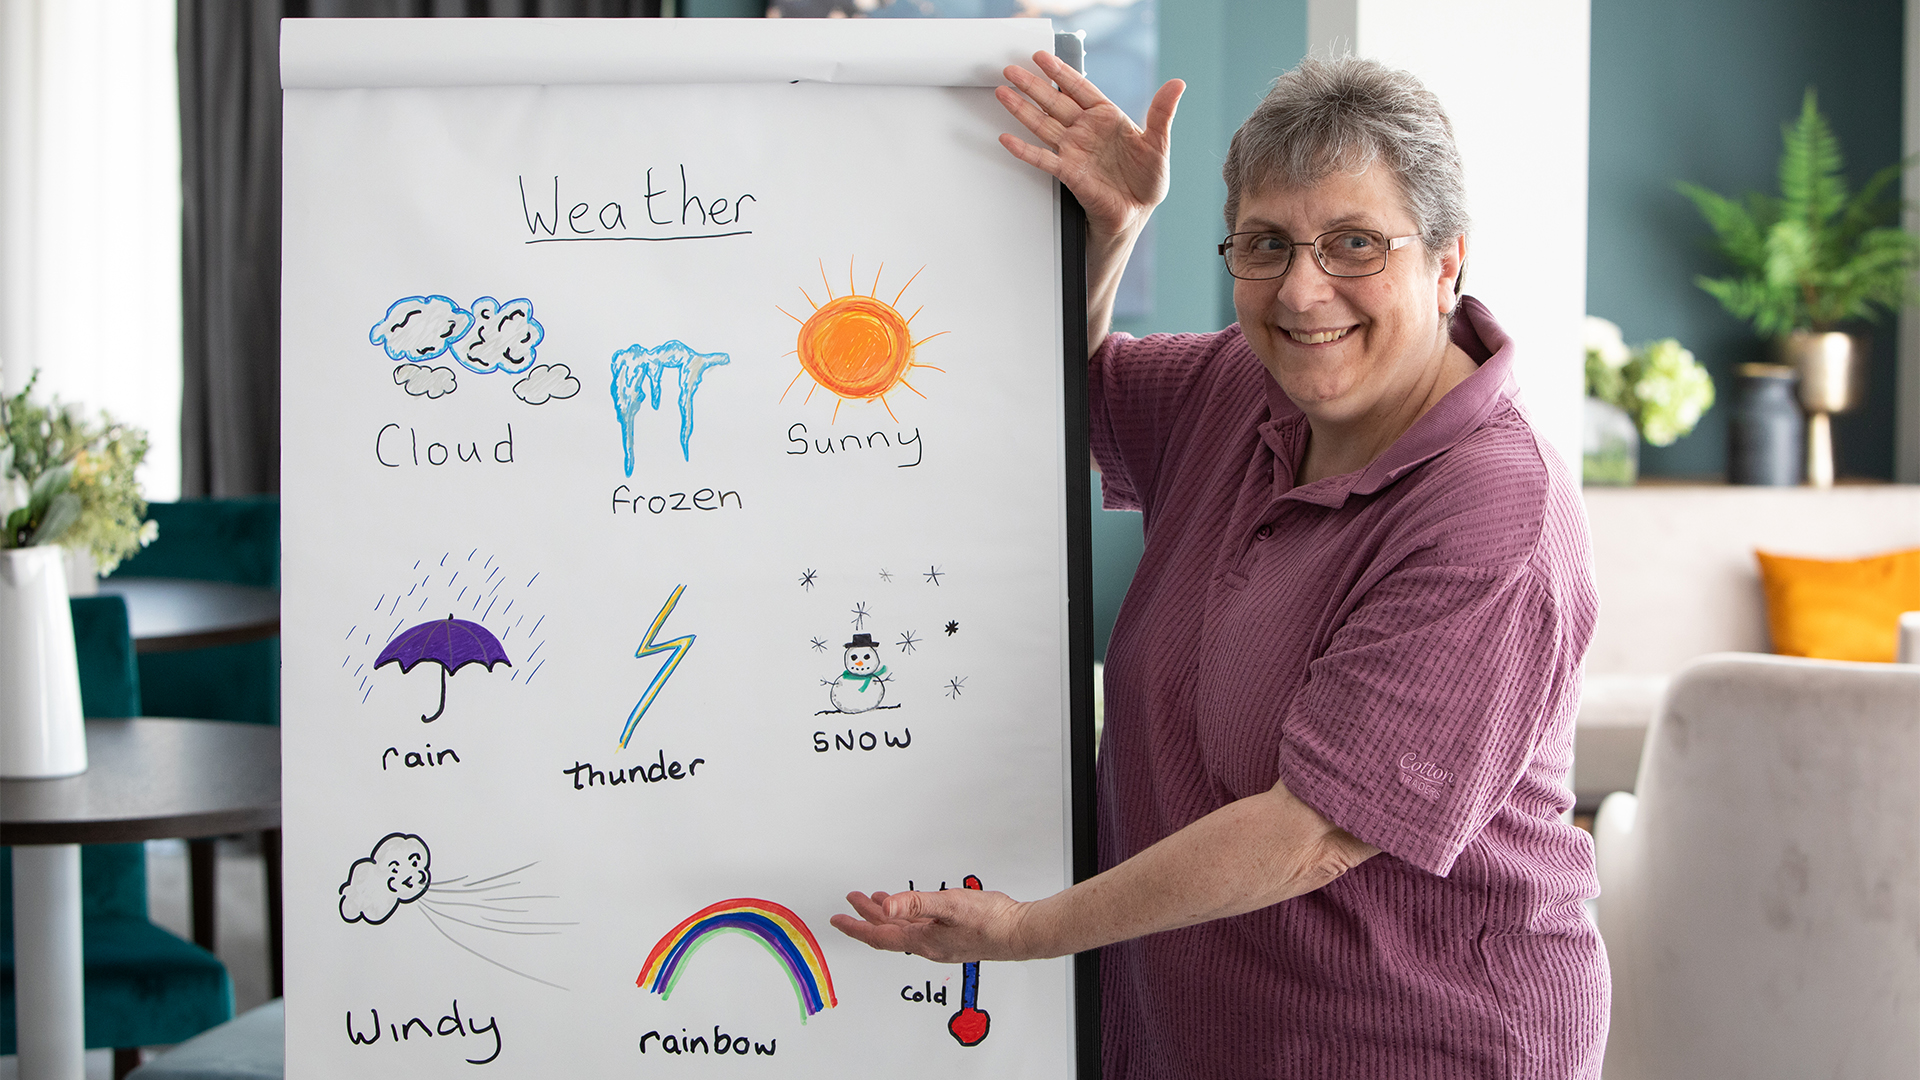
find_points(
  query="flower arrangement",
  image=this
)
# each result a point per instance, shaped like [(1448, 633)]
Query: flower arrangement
[(1658, 384), (1815, 256), (69, 480)]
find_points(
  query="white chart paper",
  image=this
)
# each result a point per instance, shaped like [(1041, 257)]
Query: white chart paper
[(673, 542)]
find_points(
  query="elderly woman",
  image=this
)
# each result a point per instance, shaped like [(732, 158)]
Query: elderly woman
[(1340, 695)]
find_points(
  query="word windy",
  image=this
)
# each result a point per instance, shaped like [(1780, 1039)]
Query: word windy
[(450, 1026)]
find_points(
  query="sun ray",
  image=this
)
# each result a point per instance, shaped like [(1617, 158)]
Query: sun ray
[(903, 288), (791, 315), (909, 386), (789, 389), (916, 314), (930, 337), (809, 296), (875, 290), (852, 289), (824, 281), (889, 408), (929, 367)]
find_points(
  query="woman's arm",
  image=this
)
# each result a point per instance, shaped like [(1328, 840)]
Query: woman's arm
[(1242, 857), (1116, 170)]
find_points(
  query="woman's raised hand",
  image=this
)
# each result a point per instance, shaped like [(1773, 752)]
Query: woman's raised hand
[(1116, 170)]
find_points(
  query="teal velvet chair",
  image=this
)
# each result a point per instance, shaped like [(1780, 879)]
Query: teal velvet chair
[(232, 540), (144, 986)]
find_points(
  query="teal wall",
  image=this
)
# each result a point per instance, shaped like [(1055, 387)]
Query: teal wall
[(1228, 52), (1697, 91)]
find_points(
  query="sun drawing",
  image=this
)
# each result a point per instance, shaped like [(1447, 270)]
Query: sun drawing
[(857, 345)]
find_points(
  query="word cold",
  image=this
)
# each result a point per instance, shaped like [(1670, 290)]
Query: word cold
[(925, 993)]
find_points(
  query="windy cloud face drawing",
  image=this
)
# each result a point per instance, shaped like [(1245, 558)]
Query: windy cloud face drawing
[(398, 872)]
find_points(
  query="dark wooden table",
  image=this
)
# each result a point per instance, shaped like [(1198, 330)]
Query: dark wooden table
[(151, 778), (174, 614)]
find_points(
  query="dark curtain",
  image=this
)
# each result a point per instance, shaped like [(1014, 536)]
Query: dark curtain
[(230, 179)]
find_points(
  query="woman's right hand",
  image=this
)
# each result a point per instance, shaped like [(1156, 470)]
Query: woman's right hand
[(1116, 170)]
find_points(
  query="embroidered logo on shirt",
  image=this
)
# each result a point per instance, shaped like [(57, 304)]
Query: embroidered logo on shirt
[(1426, 779)]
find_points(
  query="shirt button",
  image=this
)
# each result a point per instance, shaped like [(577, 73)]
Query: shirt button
[(1265, 532)]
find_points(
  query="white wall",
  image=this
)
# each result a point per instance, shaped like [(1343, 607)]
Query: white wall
[(1513, 77), (90, 213)]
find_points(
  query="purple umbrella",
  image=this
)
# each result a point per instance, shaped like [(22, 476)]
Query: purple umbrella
[(452, 643)]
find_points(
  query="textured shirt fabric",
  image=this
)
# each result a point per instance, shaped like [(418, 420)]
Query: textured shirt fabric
[(1402, 646)]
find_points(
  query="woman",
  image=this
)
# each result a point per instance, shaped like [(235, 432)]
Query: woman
[(1340, 694)]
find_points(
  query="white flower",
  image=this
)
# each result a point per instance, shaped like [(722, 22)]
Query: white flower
[(1603, 340)]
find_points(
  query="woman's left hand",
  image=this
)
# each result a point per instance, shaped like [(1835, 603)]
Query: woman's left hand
[(952, 926)]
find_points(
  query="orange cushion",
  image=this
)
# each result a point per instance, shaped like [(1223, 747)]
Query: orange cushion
[(1848, 610)]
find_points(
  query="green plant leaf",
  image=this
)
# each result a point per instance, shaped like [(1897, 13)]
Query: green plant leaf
[(1815, 256), (51, 483), (17, 521), (61, 515)]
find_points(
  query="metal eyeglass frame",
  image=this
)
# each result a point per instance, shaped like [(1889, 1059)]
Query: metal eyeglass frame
[(1393, 244)]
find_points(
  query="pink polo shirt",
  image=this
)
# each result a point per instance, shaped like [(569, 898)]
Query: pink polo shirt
[(1402, 646)]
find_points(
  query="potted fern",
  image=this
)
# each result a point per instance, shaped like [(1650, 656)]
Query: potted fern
[(1809, 261)]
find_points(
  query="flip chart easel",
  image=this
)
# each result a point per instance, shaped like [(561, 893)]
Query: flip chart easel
[(683, 487)]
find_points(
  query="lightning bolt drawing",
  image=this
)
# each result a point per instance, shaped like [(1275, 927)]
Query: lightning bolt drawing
[(678, 647)]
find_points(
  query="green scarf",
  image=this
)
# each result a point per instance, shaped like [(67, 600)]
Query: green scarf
[(864, 680)]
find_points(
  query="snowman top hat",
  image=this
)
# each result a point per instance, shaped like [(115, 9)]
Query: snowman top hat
[(862, 641)]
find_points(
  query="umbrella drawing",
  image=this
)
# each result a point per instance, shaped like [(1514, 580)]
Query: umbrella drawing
[(452, 643)]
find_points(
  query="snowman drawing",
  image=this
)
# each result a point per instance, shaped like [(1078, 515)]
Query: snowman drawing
[(862, 686)]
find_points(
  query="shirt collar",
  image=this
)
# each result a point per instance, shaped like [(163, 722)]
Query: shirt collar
[(1462, 411)]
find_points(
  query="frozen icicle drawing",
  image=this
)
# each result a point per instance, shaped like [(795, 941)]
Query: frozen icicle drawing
[(637, 375)]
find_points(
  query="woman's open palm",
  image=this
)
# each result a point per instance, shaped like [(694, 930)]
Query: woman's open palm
[(1116, 170)]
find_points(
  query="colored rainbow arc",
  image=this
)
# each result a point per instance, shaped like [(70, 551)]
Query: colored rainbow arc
[(778, 930)]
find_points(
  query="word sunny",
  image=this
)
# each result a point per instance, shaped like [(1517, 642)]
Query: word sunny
[(877, 441)]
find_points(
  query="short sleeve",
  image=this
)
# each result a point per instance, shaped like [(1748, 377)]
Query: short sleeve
[(1137, 389), (1418, 720)]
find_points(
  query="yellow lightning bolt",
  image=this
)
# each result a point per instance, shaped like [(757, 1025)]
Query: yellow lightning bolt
[(678, 647)]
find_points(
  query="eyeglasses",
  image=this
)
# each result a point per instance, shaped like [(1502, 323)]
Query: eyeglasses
[(1259, 256)]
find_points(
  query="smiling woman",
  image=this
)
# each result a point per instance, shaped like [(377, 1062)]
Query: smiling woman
[(1340, 695)]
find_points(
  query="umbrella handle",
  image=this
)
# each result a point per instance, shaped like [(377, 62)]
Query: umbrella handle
[(443, 698)]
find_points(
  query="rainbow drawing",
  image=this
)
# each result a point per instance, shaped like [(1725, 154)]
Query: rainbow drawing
[(777, 929)]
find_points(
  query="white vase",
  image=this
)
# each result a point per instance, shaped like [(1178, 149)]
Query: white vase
[(42, 733)]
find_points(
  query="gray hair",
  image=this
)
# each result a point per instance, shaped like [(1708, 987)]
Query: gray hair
[(1341, 115)]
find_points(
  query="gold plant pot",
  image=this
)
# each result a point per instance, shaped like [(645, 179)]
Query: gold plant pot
[(1833, 379)]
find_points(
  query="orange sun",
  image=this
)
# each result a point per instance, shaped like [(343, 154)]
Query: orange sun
[(857, 345)]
